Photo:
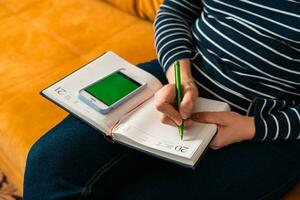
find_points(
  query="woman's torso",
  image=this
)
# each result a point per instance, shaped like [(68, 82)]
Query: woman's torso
[(247, 49)]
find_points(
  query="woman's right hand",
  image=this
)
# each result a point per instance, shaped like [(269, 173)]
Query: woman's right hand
[(166, 96)]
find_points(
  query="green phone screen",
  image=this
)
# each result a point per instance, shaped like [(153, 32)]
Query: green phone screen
[(112, 88)]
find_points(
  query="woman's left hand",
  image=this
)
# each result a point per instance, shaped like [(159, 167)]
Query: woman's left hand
[(232, 127)]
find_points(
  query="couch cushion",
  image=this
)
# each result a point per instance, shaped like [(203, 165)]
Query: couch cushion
[(145, 9), (51, 39), (4, 11), (17, 5)]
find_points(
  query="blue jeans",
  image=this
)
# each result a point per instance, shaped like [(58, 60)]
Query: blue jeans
[(75, 161)]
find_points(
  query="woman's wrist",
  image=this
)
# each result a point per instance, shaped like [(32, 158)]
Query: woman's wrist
[(250, 127), (185, 71)]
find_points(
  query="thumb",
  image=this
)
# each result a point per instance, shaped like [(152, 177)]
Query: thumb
[(187, 104)]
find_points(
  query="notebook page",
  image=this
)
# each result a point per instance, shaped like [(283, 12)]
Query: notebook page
[(144, 127)]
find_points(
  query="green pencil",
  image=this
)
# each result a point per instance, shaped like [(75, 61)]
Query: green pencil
[(178, 94)]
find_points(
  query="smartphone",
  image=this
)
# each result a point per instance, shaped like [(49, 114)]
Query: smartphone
[(111, 91)]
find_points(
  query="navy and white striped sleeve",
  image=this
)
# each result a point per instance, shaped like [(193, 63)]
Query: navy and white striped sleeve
[(276, 119), (172, 25)]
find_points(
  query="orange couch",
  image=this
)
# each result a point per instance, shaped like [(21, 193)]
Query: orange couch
[(42, 41)]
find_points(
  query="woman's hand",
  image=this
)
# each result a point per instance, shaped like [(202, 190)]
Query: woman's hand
[(232, 127), (166, 96), (165, 102)]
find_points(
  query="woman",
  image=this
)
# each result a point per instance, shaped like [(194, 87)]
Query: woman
[(246, 53)]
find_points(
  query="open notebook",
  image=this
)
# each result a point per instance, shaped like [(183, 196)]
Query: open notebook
[(136, 122)]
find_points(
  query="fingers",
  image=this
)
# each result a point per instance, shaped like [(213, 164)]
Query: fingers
[(218, 141), (190, 92), (164, 99), (214, 147), (166, 120), (187, 105), (170, 112)]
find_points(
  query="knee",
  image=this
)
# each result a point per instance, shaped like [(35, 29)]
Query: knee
[(54, 143), (37, 152), (36, 169), (46, 148), (37, 159), (50, 147), (61, 147)]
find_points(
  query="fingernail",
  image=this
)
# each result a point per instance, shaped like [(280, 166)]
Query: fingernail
[(178, 122)]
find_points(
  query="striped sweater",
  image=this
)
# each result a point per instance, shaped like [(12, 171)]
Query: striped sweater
[(243, 52)]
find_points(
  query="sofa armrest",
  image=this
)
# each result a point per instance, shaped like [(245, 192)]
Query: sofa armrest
[(145, 9)]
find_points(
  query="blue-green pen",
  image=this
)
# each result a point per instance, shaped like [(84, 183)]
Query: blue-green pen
[(178, 94)]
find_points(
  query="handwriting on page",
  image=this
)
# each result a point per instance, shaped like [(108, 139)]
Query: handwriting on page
[(177, 147), (166, 145)]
